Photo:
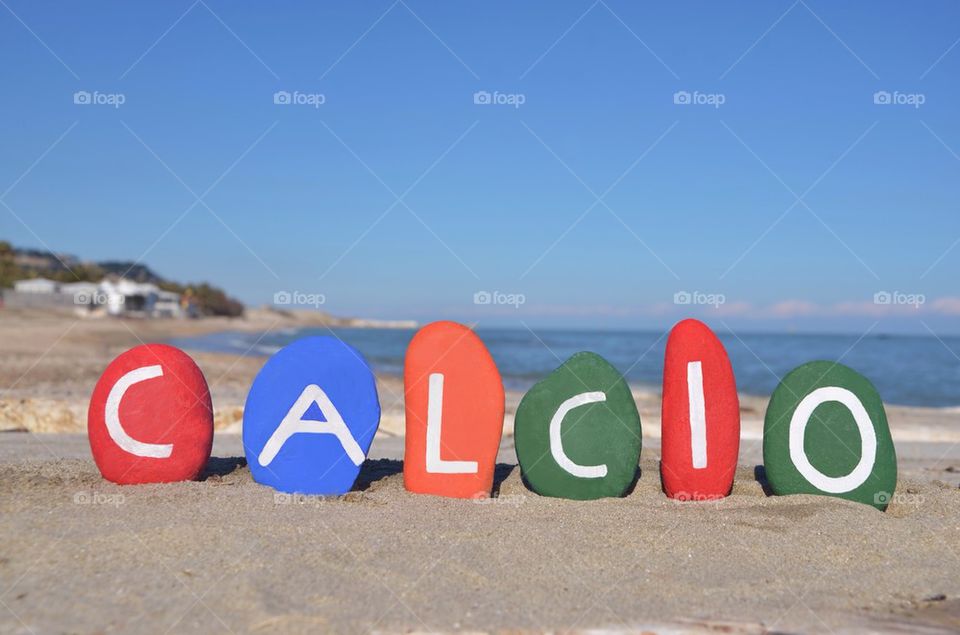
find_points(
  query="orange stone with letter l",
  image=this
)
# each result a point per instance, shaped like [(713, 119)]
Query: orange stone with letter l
[(454, 406), (700, 437)]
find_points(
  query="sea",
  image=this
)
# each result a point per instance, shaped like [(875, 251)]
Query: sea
[(906, 369)]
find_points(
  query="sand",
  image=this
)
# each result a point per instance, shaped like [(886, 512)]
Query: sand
[(81, 555)]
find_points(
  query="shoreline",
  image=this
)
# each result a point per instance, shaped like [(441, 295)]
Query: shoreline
[(51, 362)]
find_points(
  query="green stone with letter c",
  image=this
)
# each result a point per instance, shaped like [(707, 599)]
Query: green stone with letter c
[(826, 432), (588, 409)]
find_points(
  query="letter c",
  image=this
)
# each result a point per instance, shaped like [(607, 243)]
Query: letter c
[(115, 428), (556, 443)]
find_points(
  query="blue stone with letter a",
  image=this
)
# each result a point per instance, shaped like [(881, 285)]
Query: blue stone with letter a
[(310, 417)]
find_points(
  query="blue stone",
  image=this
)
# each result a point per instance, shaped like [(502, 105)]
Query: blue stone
[(310, 417)]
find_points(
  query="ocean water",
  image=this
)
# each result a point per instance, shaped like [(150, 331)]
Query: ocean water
[(907, 370)]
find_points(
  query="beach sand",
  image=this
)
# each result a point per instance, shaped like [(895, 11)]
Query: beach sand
[(79, 554)]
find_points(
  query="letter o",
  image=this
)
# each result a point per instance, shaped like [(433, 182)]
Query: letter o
[(868, 440)]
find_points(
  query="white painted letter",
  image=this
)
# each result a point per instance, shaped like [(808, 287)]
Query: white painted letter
[(868, 440), (294, 423), (436, 465), (698, 415), (115, 428), (556, 444)]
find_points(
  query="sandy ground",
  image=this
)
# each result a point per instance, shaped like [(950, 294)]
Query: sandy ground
[(81, 555)]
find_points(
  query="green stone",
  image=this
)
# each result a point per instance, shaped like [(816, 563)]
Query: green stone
[(831, 454), (598, 431)]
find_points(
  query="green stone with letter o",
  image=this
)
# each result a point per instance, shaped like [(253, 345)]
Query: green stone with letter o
[(590, 406), (824, 424)]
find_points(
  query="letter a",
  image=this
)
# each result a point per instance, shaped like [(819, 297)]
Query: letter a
[(293, 423)]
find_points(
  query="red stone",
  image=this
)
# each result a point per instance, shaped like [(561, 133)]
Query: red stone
[(698, 461), (160, 428), (470, 421)]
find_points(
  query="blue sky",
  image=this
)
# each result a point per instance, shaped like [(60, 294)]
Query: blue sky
[(785, 199)]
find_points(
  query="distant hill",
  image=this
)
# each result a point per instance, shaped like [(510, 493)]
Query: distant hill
[(130, 270), (19, 264)]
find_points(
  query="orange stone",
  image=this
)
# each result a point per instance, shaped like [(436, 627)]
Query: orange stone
[(454, 406)]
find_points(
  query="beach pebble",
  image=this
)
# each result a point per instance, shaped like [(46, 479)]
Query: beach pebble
[(826, 433), (310, 417), (577, 432), (150, 418), (454, 413), (700, 415)]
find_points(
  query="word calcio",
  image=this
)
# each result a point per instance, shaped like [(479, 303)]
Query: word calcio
[(313, 411)]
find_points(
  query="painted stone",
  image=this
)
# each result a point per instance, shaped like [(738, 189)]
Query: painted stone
[(577, 431), (150, 418), (310, 417), (826, 432), (453, 396), (700, 437)]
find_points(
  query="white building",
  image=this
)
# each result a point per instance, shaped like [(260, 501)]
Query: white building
[(36, 285), (126, 297), (119, 297), (167, 304), (86, 295)]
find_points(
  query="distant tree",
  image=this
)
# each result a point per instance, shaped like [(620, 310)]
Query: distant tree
[(83, 272), (213, 301), (208, 299), (9, 271)]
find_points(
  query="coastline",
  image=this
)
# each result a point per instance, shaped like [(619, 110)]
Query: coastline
[(51, 361)]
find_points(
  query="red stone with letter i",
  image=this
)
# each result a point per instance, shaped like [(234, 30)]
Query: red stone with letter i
[(700, 415)]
